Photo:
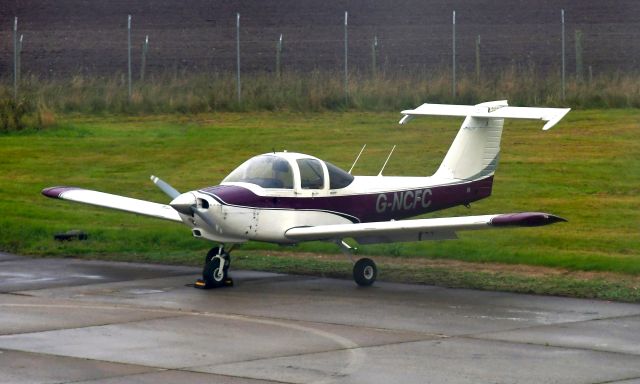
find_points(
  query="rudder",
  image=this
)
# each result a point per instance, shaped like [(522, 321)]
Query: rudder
[(475, 151)]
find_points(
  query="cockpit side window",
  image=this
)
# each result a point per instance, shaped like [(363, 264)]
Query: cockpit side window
[(266, 171), (311, 174), (337, 177)]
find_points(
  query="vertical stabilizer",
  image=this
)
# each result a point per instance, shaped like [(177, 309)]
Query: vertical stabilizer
[(475, 150)]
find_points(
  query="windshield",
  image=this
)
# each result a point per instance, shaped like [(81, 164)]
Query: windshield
[(267, 171)]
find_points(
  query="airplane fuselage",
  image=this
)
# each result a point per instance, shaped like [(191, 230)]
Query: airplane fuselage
[(241, 211)]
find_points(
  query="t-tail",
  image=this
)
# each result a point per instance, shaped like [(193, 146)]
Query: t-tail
[(475, 151)]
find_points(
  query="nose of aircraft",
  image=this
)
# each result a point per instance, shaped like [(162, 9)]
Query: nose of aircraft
[(184, 203)]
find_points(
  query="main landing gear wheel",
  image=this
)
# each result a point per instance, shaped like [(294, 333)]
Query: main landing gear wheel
[(215, 271), (365, 272)]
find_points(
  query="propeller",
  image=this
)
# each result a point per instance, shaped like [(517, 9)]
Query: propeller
[(166, 188), (184, 203)]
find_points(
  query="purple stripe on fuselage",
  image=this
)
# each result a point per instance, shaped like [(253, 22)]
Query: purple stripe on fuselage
[(55, 192), (366, 207)]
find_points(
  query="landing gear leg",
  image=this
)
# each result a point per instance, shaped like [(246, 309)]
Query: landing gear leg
[(216, 267), (365, 271)]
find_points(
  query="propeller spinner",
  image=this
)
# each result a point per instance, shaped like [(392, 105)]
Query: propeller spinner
[(185, 203)]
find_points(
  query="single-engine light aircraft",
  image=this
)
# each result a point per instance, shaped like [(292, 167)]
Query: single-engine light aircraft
[(288, 198)]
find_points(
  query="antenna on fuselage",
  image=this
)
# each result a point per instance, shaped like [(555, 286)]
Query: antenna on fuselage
[(357, 158), (386, 161)]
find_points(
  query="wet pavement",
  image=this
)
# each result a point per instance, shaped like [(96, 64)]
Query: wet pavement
[(66, 320)]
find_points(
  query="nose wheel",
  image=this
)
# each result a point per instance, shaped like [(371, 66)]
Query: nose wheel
[(216, 270)]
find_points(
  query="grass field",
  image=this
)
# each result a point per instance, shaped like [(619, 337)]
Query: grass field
[(587, 170)]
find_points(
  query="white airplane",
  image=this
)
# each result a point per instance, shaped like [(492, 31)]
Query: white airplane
[(288, 198)]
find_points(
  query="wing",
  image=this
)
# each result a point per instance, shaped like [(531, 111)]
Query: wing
[(418, 230), (107, 200)]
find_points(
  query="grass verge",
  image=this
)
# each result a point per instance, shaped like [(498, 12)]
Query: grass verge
[(315, 91)]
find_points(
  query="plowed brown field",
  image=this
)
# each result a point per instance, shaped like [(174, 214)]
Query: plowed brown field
[(66, 36)]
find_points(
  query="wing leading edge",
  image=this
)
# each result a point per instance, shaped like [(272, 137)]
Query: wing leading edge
[(420, 229), (107, 200)]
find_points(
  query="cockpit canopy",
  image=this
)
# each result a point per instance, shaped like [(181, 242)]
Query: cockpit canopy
[(289, 171), (267, 171)]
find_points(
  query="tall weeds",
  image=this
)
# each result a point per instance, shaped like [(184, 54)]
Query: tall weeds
[(315, 91)]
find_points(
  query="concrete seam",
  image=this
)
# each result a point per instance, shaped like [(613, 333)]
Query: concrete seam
[(547, 345)]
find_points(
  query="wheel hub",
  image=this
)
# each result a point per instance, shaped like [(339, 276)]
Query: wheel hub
[(368, 272), (218, 272)]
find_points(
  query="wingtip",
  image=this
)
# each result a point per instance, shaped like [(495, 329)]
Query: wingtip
[(406, 118), (55, 192), (526, 219), (562, 112)]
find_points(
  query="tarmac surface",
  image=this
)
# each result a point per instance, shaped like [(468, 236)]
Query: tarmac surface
[(65, 320)]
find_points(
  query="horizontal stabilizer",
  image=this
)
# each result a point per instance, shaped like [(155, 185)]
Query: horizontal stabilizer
[(107, 200), (491, 110), (420, 229)]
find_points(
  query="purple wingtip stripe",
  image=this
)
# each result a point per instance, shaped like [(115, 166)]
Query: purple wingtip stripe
[(525, 219), (55, 192)]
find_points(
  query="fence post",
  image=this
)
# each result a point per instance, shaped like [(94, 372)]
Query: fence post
[(453, 86), (478, 58), (129, 53), (374, 48), (590, 75), (15, 59), (19, 67), (278, 55), (238, 57), (143, 64), (346, 54), (579, 69), (563, 58)]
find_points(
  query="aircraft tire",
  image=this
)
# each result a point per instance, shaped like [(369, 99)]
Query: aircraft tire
[(211, 273), (365, 272)]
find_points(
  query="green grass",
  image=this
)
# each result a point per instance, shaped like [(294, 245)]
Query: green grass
[(587, 170)]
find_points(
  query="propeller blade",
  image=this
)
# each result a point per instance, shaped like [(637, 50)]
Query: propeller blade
[(166, 188), (204, 217)]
